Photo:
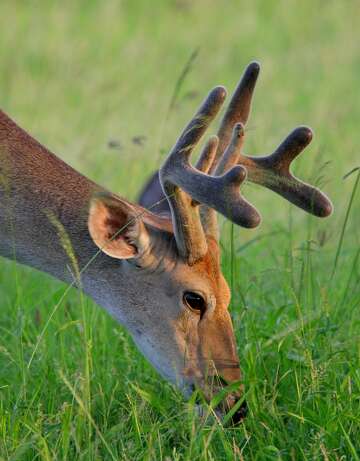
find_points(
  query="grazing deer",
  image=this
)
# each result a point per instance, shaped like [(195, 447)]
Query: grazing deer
[(159, 275)]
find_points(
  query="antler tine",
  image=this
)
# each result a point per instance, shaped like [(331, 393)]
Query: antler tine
[(273, 172), (183, 183), (237, 112), (228, 160), (207, 156), (233, 151), (239, 106)]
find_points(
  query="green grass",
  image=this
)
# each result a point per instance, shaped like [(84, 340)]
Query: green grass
[(80, 74)]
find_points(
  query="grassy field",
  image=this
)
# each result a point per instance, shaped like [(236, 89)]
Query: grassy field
[(88, 78)]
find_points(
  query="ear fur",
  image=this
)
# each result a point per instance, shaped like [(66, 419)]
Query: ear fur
[(116, 228)]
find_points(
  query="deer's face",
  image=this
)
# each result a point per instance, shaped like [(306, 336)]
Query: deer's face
[(177, 312), (202, 327)]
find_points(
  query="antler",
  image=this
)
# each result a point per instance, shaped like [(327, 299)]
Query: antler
[(222, 168), (186, 187), (272, 171)]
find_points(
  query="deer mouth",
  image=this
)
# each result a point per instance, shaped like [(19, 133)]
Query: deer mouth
[(236, 418), (206, 405)]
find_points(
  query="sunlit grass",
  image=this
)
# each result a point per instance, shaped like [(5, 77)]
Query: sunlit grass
[(88, 79)]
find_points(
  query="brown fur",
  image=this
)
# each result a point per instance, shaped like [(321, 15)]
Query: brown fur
[(138, 276)]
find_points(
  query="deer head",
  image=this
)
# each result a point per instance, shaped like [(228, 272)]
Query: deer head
[(179, 313)]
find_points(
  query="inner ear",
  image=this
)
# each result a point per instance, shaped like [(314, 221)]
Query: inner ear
[(116, 227)]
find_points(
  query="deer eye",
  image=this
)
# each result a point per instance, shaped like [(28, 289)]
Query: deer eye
[(195, 302)]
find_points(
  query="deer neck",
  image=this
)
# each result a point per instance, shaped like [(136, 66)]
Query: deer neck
[(43, 212)]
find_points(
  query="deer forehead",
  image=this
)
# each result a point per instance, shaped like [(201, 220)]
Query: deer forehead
[(208, 269), (204, 275)]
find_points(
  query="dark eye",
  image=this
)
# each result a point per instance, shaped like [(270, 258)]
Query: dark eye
[(195, 302)]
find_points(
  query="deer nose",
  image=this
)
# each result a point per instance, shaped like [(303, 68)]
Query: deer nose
[(239, 416)]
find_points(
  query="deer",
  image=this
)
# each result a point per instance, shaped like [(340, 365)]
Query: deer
[(158, 273)]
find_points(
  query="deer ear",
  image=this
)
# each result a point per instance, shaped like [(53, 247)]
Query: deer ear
[(116, 228)]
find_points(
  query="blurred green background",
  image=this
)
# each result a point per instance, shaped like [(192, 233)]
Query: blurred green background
[(80, 74), (99, 83)]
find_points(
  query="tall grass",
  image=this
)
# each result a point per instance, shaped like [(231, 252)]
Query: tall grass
[(83, 77)]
